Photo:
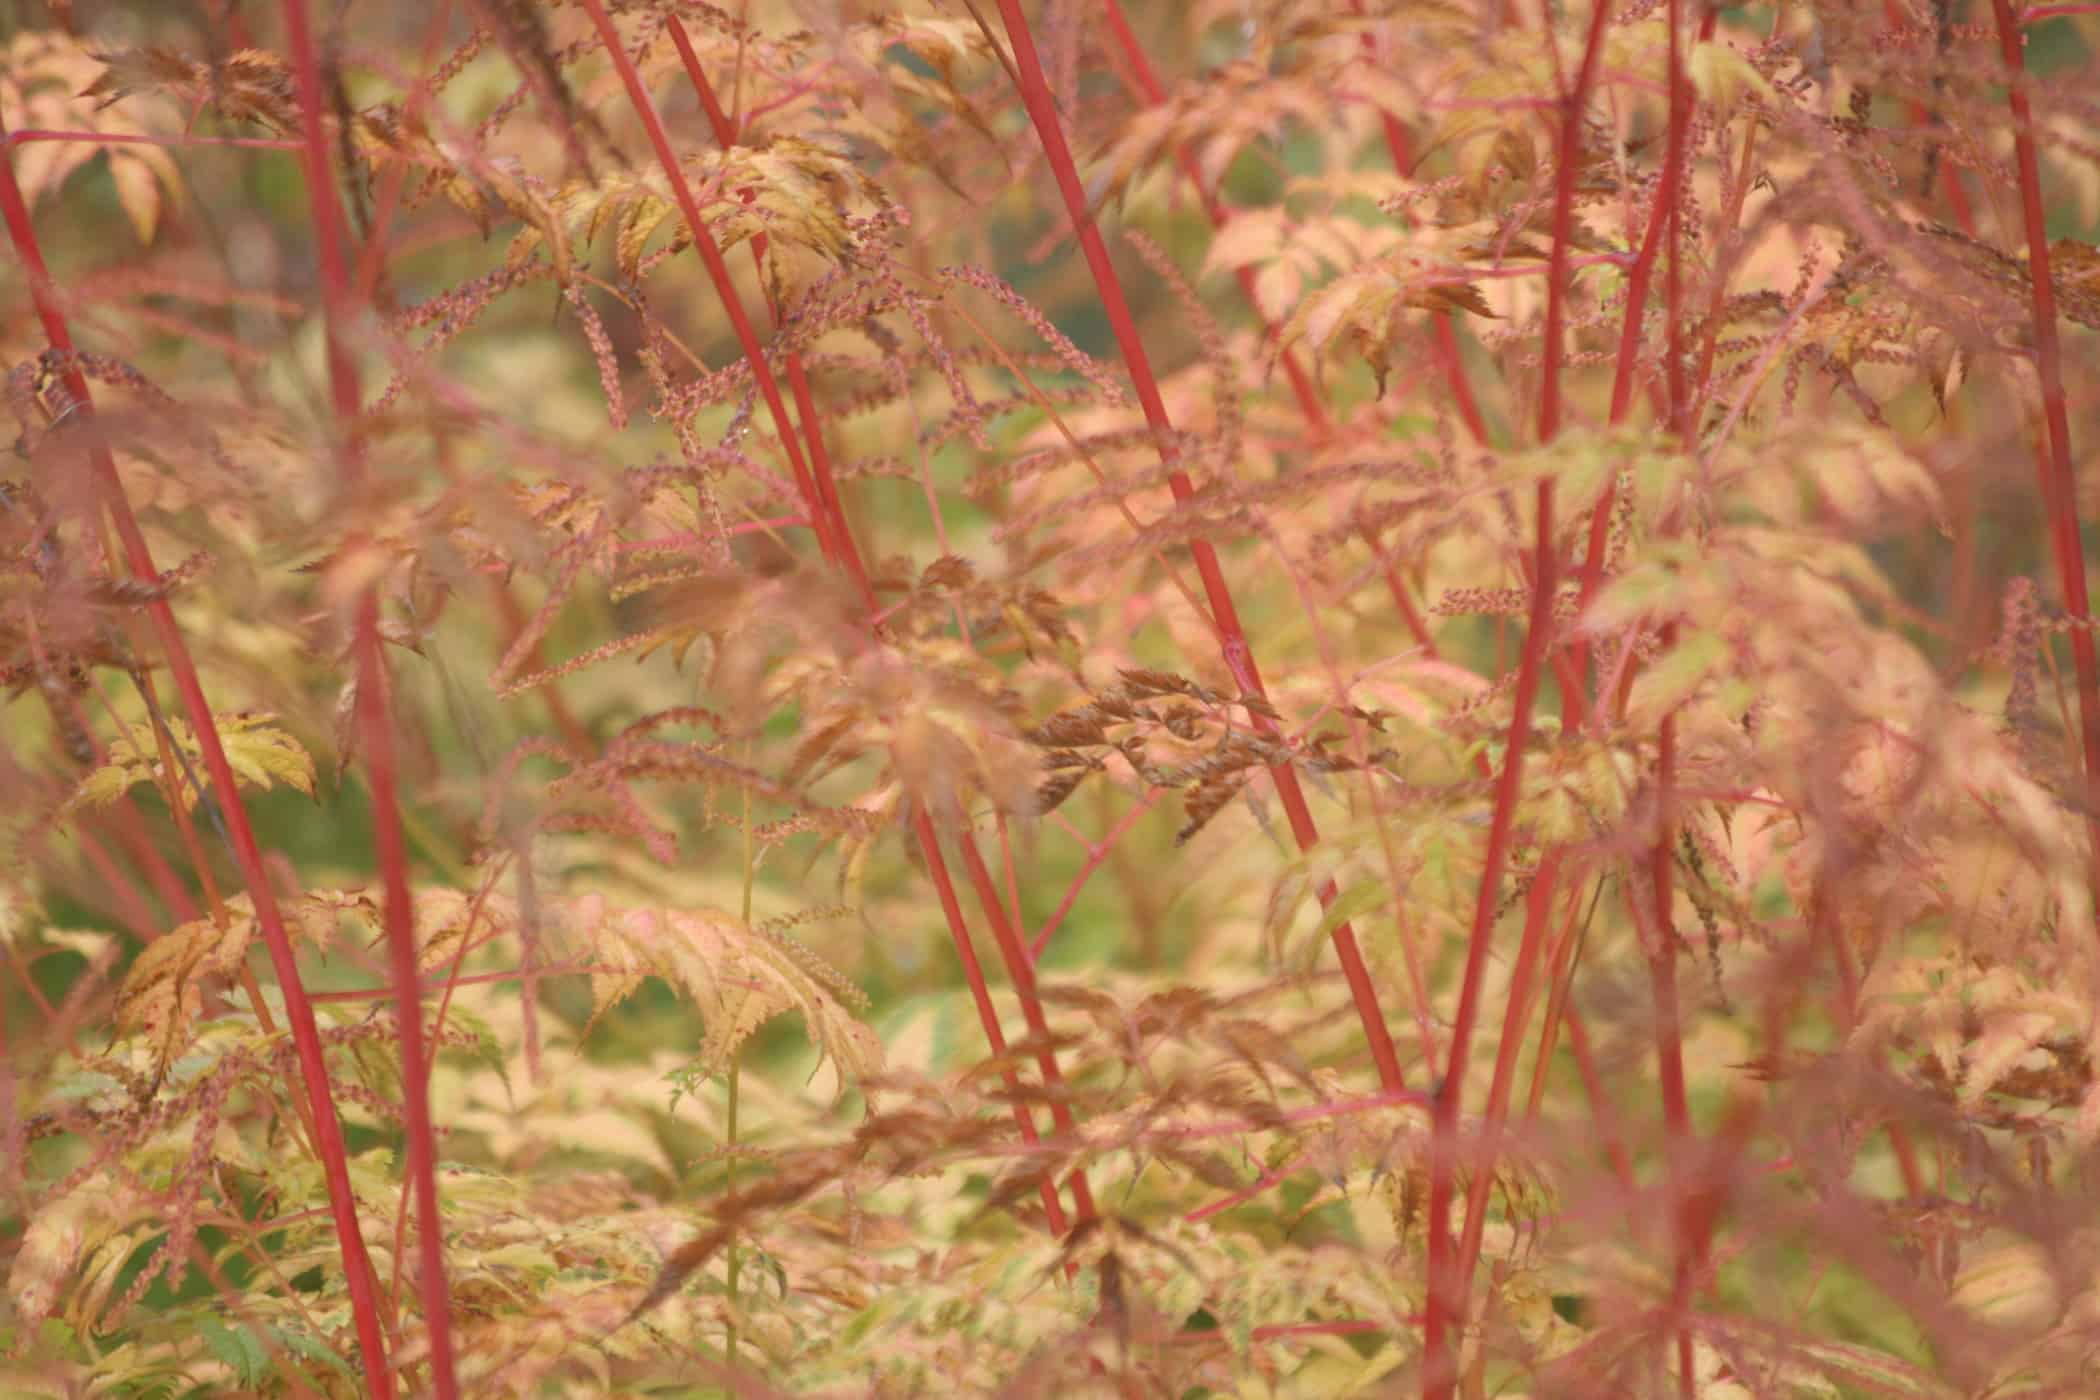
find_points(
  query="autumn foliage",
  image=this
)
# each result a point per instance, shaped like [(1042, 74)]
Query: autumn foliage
[(1289, 698)]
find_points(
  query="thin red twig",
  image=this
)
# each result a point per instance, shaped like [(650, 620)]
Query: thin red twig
[(1446, 1302), (1147, 85), (823, 509), (376, 726), (1232, 637), (313, 1069), (2059, 489)]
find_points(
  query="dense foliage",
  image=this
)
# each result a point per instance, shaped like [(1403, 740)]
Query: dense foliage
[(1285, 697)]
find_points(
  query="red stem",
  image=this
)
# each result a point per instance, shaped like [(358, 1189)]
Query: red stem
[(711, 255), (1239, 656), (1097, 853), (1572, 104), (838, 538), (374, 257), (1148, 86), (1446, 342), (130, 828), (1663, 213), (1921, 115), (1446, 1304), (2059, 490), (1673, 168), (987, 1014), (376, 727), (820, 498), (1600, 1101), (1022, 970), (1538, 912), (247, 854), (119, 894), (1669, 1043)]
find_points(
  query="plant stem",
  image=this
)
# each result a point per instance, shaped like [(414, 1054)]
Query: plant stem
[(375, 723), (833, 515), (717, 270), (824, 506), (987, 1015), (1021, 968), (1232, 637), (1446, 1303), (1146, 84), (734, 1260), (1538, 917), (247, 853), (1663, 213), (1669, 1042), (1445, 343), (2059, 486)]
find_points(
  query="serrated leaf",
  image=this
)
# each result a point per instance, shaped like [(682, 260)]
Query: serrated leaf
[(1675, 677), (235, 1347), (739, 977), (260, 754), (60, 1235), (164, 990), (1723, 76)]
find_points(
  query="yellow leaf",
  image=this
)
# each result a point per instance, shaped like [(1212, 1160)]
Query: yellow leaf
[(61, 1235), (739, 977), (164, 990), (1723, 76), (1675, 677), (139, 192), (2010, 1286), (263, 755), (260, 754)]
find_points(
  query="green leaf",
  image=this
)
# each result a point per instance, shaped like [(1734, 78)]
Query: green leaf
[(236, 1347), (1675, 677), (1359, 898), (308, 1347)]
